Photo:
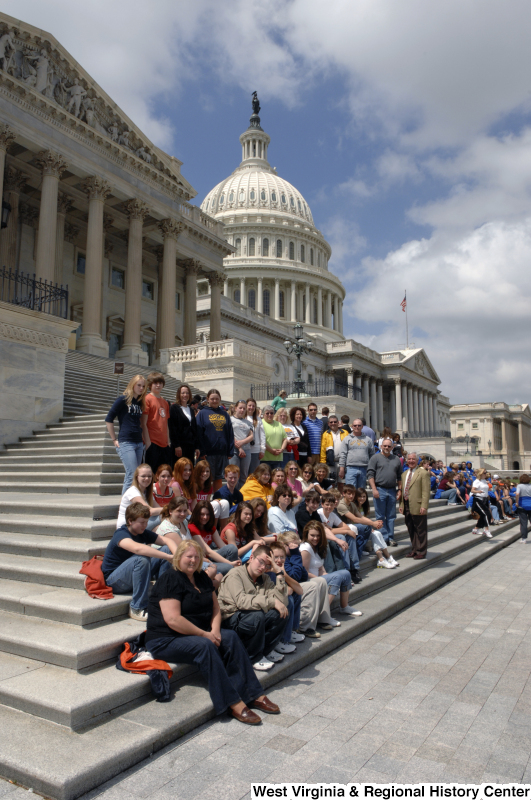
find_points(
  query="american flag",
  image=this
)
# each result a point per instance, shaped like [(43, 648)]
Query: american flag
[(403, 304)]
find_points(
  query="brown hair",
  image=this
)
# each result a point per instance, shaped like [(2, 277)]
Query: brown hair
[(213, 391), (254, 415), (155, 376), (244, 531), (293, 410), (260, 470), (260, 523), (187, 487), (135, 511), (178, 395), (196, 477), (313, 525), (280, 491), (195, 519), (172, 505), (161, 469), (524, 478), (261, 549)]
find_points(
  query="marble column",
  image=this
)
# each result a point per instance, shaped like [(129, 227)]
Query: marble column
[(170, 230), (427, 427), (52, 166), (242, 292), (91, 340), (521, 446), (435, 414), (404, 423), (421, 411), (398, 406), (416, 416), (340, 315), (190, 308), (64, 206), (374, 406), (379, 391), (320, 306), (350, 381), (504, 446), (308, 315), (260, 298), (328, 310), (277, 298), (132, 350), (226, 287), (357, 384), (6, 138), (410, 412), (293, 302), (159, 254), (216, 281), (13, 184), (366, 397)]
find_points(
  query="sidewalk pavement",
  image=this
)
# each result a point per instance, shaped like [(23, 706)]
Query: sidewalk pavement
[(439, 693)]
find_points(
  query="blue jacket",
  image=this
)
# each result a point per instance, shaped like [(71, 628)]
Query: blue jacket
[(214, 431), (294, 566)]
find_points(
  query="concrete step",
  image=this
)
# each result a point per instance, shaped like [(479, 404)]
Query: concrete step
[(74, 419), (37, 545), (67, 443), (40, 465), (66, 526), (75, 475), (61, 434), (62, 449), (20, 458), (89, 487), (46, 571), (63, 605), (58, 505)]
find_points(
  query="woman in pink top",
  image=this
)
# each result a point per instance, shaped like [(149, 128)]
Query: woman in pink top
[(293, 474)]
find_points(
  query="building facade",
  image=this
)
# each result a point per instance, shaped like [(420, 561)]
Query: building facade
[(500, 432)]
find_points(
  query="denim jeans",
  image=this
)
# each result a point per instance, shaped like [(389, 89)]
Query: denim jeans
[(364, 534), (226, 668), (350, 556), (243, 465), (131, 457), (385, 509), (134, 575), (356, 476), (339, 581), (259, 631), (450, 495), (230, 552), (525, 517), (294, 617)]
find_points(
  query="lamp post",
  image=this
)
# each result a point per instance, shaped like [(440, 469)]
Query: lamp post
[(467, 439), (299, 347)]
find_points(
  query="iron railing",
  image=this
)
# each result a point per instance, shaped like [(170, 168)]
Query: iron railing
[(426, 434), (319, 388), (23, 289)]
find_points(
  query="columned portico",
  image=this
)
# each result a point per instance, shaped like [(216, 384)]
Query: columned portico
[(421, 411), (435, 413), (242, 291), (277, 298), (426, 414), (320, 306), (91, 340), (52, 165), (328, 309), (170, 230), (430, 412), (216, 281), (308, 315), (190, 310), (132, 350)]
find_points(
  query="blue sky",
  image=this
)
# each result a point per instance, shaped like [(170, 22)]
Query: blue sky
[(406, 126)]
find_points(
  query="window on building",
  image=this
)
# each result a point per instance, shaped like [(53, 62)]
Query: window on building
[(118, 278), (251, 247), (242, 195), (283, 198), (222, 199), (281, 305), (279, 248), (310, 378), (262, 195), (475, 425), (460, 426), (292, 202), (292, 251), (311, 256), (251, 298), (115, 344), (315, 311), (213, 202), (273, 197), (238, 246), (147, 347), (318, 259), (303, 254), (231, 197), (299, 206), (81, 261), (178, 301), (252, 194), (267, 302), (265, 247), (147, 291), (237, 295)]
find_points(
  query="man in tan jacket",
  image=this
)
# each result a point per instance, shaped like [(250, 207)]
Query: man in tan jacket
[(414, 506), (256, 608)]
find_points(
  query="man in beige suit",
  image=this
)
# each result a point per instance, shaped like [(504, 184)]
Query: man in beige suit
[(414, 506)]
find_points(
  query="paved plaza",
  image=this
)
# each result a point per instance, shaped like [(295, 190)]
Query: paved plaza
[(439, 693)]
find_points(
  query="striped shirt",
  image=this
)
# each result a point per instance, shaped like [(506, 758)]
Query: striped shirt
[(315, 432)]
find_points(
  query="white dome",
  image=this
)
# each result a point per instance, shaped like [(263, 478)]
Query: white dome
[(254, 189)]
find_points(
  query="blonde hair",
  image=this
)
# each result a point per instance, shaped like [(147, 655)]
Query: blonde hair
[(287, 537), (129, 394), (481, 472), (181, 550), (280, 411), (148, 493)]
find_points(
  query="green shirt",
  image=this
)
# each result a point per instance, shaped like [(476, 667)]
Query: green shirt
[(275, 435), (279, 402)]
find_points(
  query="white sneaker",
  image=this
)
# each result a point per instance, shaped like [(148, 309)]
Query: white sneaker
[(263, 665), (523, 541), (297, 637), (140, 614), (350, 611), (384, 564), (283, 647), (487, 533), (335, 623), (393, 562), (274, 656), (476, 532)]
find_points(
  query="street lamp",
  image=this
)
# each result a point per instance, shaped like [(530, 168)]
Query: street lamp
[(299, 347), (467, 439)]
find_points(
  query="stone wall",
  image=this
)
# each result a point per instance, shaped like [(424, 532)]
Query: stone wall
[(33, 349)]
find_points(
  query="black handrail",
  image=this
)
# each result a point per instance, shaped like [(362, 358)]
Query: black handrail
[(319, 388), (23, 289)]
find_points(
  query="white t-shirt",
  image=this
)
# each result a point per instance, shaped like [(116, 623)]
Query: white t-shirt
[(187, 411), (259, 436), (166, 527), (336, 437), (316, 562), (279, 521), (303, 449), (484, 486), (242, 428), (126, 500), (333, 520)]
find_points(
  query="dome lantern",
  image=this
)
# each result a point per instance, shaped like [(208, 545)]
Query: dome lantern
[(255, 141)]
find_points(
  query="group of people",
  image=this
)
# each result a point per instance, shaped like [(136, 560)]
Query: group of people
[(252, 525)]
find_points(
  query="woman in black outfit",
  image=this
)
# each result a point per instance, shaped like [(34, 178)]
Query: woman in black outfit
[(182, 426), (184, 626)]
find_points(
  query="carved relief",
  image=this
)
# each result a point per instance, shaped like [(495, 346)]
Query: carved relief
[(71, 232), (6, 136), (51, 163), (27, 336), (136, 209), (28, 214), (65, 204), (96, 188), (216, 278), (170, 229), (14, 180)]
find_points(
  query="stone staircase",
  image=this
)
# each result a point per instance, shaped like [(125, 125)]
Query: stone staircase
[(73, 720)]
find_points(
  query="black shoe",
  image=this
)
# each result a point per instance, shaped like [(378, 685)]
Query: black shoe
[(354, 574), (393, 543)]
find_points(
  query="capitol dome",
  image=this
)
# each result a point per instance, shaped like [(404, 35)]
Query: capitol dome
[(280, 264)]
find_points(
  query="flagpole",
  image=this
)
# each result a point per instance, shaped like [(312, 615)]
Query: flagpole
[(407, 330)]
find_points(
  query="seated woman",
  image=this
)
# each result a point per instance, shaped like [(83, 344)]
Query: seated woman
[(241, 530), (322, 481), (354, 508), (293, 439), (203, 528), (281, 517), (184, 626), (448, 489), (260, 520), (182, 483), (293, 474), (162, 491), (175, 527), (307, 479), (313, 551), (259, 485), (202, 483), (141, 491), (384, 558), (278, 477)]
